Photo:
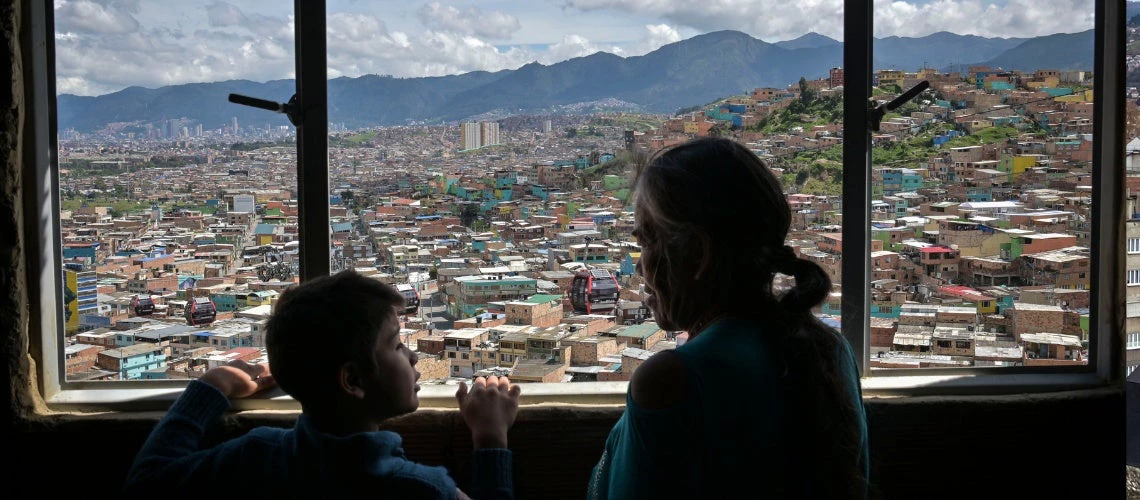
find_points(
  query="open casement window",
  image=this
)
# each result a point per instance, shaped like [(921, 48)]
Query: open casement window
[(173, 208), (1010, 271), (838, 204)]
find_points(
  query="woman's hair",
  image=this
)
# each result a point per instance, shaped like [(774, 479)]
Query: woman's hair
[(713, 198), (319, 325), (716, 218)]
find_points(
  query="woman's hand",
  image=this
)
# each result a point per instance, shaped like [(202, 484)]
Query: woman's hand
[(238, 379), (489, 409)]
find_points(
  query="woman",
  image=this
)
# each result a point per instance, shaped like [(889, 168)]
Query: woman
[(763, 398)]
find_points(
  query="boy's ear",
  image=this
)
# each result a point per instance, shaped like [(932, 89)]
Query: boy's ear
[(349, 381)]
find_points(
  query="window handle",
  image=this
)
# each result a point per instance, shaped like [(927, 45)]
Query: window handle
[(877, 112), (289, 109)]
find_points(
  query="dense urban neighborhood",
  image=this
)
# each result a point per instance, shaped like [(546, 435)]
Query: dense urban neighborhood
[(510, 238)]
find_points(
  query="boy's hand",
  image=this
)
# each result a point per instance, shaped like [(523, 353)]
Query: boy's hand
[(238, 379), (489, 409)]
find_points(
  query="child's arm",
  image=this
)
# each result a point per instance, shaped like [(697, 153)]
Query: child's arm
[(171, 452), (489, 410)]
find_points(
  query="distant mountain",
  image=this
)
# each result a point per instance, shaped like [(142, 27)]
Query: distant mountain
[(685, 73), (1131, 9), (1064, 51), (937, 50), (809, 41)]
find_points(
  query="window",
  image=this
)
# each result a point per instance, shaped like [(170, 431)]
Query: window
[(1133, 245), (1133, 277), (834, 205), (1134, 340)]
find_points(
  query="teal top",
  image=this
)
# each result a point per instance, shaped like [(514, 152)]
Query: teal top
[(728, 435)]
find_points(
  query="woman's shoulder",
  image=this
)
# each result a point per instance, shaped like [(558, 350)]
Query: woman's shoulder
[(660, 381)]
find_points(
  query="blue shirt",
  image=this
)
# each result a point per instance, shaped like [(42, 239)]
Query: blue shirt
[(270, 462), (728, 435)]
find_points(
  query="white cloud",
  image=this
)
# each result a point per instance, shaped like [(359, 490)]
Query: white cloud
[(569, 47), (224, 14), (773, 20), (235, 46), (94, 17), (656, 36), (1016, 18), (468, 21), (766, 19), (101, 47)]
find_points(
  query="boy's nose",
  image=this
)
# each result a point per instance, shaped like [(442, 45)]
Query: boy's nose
[(413, 357)]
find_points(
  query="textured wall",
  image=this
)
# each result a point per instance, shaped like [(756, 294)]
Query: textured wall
[(1067, 445)]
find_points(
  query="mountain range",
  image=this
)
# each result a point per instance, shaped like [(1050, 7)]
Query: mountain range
[(685, 73)]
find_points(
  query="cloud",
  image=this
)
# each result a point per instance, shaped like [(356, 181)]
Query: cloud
[(774, 20), (1016, 18), (468, 21), (86, 16), (569, 47), (224, 14), (100, 46), (233, 46), (657, 35)]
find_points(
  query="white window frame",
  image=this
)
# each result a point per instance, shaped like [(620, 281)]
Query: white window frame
[(1132, 277), (1133, 245), (41, 202)]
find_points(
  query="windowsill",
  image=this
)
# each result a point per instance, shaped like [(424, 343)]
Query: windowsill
[(120, 399)]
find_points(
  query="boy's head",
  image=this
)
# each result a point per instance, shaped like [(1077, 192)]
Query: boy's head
[(334, 346)]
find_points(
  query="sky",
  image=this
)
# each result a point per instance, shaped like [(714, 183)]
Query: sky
[(103, 46)]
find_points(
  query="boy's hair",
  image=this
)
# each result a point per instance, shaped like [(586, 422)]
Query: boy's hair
[(321, 324)]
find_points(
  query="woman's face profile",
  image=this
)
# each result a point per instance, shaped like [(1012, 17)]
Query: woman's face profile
[(647, 267)]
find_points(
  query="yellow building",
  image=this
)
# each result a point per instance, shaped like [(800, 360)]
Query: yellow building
[(1082, 96), (692, 128), (891, 77), (1020, 163)]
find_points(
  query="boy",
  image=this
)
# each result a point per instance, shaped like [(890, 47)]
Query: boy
[(333, 346)]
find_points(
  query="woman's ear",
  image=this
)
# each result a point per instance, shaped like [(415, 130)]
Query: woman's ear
[(349, 381)]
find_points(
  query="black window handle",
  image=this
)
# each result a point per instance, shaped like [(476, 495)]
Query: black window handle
[(877, 113), (289, 109)]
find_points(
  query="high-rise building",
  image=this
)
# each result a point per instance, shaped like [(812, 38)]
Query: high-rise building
[(81, 297), (471, 135), (235, 126), (1132, 293), (489, 133), (547, 126)]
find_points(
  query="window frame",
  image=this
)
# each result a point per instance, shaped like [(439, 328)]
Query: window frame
[(42, 232)]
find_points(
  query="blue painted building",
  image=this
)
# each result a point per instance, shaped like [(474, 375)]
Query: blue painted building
[(130, 362), (82, 250)]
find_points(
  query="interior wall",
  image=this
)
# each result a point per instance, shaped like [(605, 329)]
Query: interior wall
[(1064, 445)]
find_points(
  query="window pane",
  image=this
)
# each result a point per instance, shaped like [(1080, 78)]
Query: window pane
[(178, 210), (992, 236), (1132, 191), (463, 169)]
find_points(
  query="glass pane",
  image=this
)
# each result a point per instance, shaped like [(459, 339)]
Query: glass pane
[(982, 185), (178, 210), (481, 155), (1132, 189)]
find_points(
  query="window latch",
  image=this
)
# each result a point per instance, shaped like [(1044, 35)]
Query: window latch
[(289, 109), (877, 112)]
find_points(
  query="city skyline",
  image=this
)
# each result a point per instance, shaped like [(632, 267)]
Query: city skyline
[(107, 45)]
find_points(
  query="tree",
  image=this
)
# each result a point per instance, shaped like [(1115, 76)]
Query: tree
[(805, 92)]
